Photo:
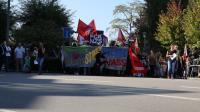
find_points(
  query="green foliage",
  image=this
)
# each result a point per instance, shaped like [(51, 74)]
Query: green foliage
[(169, 28), (180, 27), (155, 8), (191, 23), (42, 20)]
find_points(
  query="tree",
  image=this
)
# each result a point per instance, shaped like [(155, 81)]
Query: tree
[(191, 23), (42, 20), (2, 20), (125, 16), (153, 10), (169, 27), (3, 15)]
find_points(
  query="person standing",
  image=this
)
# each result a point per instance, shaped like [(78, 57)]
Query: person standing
[(27, 63), (152, 63), (1, 55), (62, 58), (34, 59), (41, 54), (19, 55), (172, 55), (6, 55)]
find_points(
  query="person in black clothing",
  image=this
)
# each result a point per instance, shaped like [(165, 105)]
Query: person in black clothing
[(100, 61), (194, 61), (41, 54), (6, 55), (195, 53), (1, 56)]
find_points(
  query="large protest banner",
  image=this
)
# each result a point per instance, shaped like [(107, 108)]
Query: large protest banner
[(116, 58), (80, 56)]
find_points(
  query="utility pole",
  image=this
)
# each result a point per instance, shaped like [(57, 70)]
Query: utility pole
[(8, 20)]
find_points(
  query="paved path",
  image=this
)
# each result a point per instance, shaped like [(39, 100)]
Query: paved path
[(65, 93)]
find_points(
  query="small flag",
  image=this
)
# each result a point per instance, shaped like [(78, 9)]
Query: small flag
[(67, 32), (121, 37), (82, 28)]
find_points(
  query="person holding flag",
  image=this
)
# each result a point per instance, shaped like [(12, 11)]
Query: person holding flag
[(137, 67)]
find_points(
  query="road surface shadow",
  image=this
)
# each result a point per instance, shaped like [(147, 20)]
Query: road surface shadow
[(21, 91)]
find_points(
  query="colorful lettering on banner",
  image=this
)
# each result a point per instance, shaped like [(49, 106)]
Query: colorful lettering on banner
[(91, 56), (116, 62), (96, 40), (75, 56), (116, 58)]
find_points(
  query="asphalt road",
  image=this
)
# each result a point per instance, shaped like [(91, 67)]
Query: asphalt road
[(65, 93)]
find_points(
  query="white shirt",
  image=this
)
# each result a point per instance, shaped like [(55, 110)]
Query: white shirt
[(35, 53), (8, 51), (19, 52)]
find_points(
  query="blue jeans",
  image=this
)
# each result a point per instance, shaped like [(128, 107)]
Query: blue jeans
[(40, 64), (171, 67)]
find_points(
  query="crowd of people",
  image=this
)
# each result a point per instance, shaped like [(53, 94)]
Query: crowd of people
[(173, 64), (21, 59), (31, 59)]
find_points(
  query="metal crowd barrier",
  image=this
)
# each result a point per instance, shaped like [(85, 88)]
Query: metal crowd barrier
[(194, 68)]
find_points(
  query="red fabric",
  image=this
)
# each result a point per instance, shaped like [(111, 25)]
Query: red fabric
[(121, 37), (91, 28), (82, 28), (92, 25), (137, 66), (135, 47)]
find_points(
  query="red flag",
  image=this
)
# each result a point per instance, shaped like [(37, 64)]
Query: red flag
[(121, 37), (135, 46), (91, 28), (92, 25), (82, 28), (137, 66)]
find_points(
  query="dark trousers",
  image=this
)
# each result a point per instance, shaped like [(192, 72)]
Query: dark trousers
[(152, 70), (40, 64), (1, 62), (7, 62)]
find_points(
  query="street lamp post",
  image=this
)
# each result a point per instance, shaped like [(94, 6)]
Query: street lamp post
[(8, 21)]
